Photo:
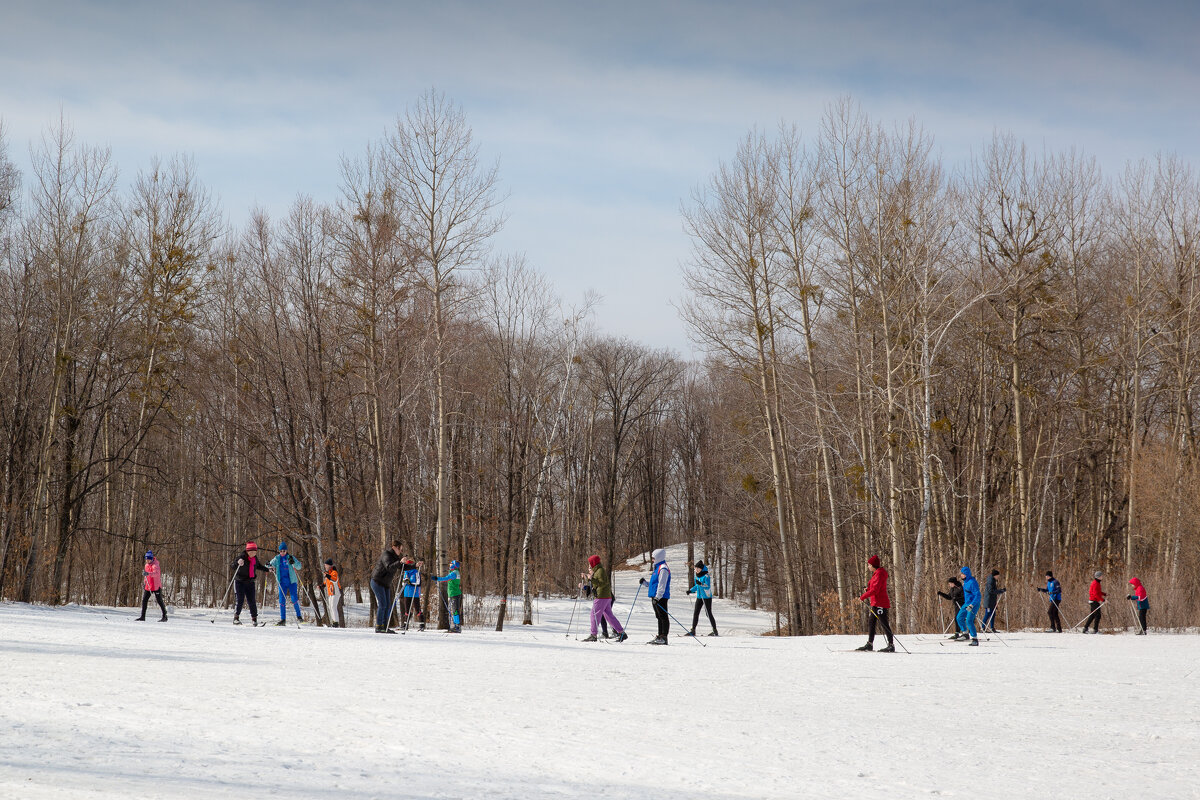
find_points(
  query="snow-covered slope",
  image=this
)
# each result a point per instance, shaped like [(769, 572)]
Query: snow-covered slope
[(95, 705)]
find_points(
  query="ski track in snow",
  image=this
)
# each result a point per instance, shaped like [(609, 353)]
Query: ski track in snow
[(95, 705)]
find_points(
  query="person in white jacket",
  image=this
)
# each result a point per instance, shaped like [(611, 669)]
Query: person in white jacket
[(659, 590)]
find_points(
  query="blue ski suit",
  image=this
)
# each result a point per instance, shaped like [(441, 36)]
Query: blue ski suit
[(971, 599), (286, 568)]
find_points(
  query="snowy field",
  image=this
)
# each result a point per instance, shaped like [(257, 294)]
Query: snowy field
[(95, 705)]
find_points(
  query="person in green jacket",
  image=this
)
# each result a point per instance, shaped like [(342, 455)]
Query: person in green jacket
[(602, 599), (453, 596)]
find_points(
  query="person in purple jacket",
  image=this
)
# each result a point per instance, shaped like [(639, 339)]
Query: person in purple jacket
[(659, 590)]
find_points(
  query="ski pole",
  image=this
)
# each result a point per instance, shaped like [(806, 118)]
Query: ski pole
[(1056, 605), (573, 607), (680, 624), (631, 605), (887, 628), (1133, 612), (224, 599), (1089, 615)]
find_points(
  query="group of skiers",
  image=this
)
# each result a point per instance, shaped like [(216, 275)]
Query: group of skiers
[(248, 567), (383, 579), (968, 600)]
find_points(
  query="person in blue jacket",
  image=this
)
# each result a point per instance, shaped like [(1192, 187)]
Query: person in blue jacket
[(702, 588), (1053, 590), (287, 578), (659, 590), (411, 594), (966, 614)]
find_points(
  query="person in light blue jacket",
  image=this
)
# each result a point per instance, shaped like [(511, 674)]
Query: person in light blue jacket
[(971, 598), (702, 588), (659, 590), (287, 577)]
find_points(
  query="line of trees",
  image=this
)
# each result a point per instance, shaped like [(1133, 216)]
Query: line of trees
[(993, 367)]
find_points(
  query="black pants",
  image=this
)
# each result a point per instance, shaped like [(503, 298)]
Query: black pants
[(664, 622), (1055, 621), (706, 604), (957, 628), (245, 593), (1141, 618), (880, 614), (411, 606), (1092, 618), (157, 596)]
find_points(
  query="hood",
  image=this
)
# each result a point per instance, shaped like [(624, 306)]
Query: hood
[(1135, 582), (593, 561), (966, 571), (658, 556)]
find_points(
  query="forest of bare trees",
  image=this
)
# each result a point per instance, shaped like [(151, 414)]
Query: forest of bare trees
[(993, 363)]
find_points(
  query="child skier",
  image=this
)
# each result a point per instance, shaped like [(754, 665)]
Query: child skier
[(249, 568), (383, 577), (287, 570), (152, 584), (702, 587), (991, 596), (659, 590), (333, 596), (1053, 590), (966, 615), (453, 596), (877, 595), (411, 594), (602, 599), (1096, 598), (1139, 597), (955, 596)]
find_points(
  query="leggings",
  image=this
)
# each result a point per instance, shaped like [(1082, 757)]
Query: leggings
[(660, 611), (880, 614), (158, 597), (1055, 622), (245, 593), (706, 604)]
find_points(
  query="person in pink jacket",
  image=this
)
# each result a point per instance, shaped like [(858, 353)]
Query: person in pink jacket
[(152, 584)]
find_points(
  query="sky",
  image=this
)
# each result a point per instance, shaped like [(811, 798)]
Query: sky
[(603, 117)]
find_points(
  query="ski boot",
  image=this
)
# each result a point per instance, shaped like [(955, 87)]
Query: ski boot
[(237, 621), (622, 636), (142, 618), (657, 640), (889, 649), (421, 627), (691, 633), (868, 647), (164, 618), (456, 629), (714, 633), (281, 623), (974, 643), (591, 638)]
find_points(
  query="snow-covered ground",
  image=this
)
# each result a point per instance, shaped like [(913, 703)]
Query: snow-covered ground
[(94, 705)]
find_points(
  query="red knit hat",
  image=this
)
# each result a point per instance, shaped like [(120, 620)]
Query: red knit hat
[(593, 561), (874, 561), (251, 546)]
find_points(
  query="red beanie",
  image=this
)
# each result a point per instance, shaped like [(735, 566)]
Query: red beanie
[(874, 561), (251, 546), (593, 561)]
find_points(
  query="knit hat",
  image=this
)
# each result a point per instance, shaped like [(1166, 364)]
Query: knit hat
[(1049, 574), (149, 554), (995, 572), (593, 561), (329, 562), (251, 546), (700, 564), (658, 555), (874, 561), (283, 545), (1098, 575)]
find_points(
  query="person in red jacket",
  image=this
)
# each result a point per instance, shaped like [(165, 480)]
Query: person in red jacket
[(1141, 601), (876, 596), (152, 584), (1095, 601)]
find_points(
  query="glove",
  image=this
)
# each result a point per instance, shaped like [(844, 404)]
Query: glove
[(642, 581), (291, 559), (1043, 591), (241, 562), (1128, 597), (689, 591)]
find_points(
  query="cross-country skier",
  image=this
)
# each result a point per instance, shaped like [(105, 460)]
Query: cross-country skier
[(966, 615), (249, 569), (1096, 597), (991, 596), (877, 599), (333, 595), (602, 599), (287, 578), (702, 587), (410, 604), (152, 584), (658, 588), (955, 596), (383, 577), (453, 595), (1139, 596), (1053, 590)]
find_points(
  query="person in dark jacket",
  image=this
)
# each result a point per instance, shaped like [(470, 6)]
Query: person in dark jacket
[(702, 588), (955, 596), (602, 599), (1096, 599), (1139, 599), (383, 577), (1053, 590), (249, 570), (991, 596), (966, 616), (876, 596)]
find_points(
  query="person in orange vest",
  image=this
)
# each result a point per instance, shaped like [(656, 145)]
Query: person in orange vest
[(152, 584), (877, 597), (333, 595)]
